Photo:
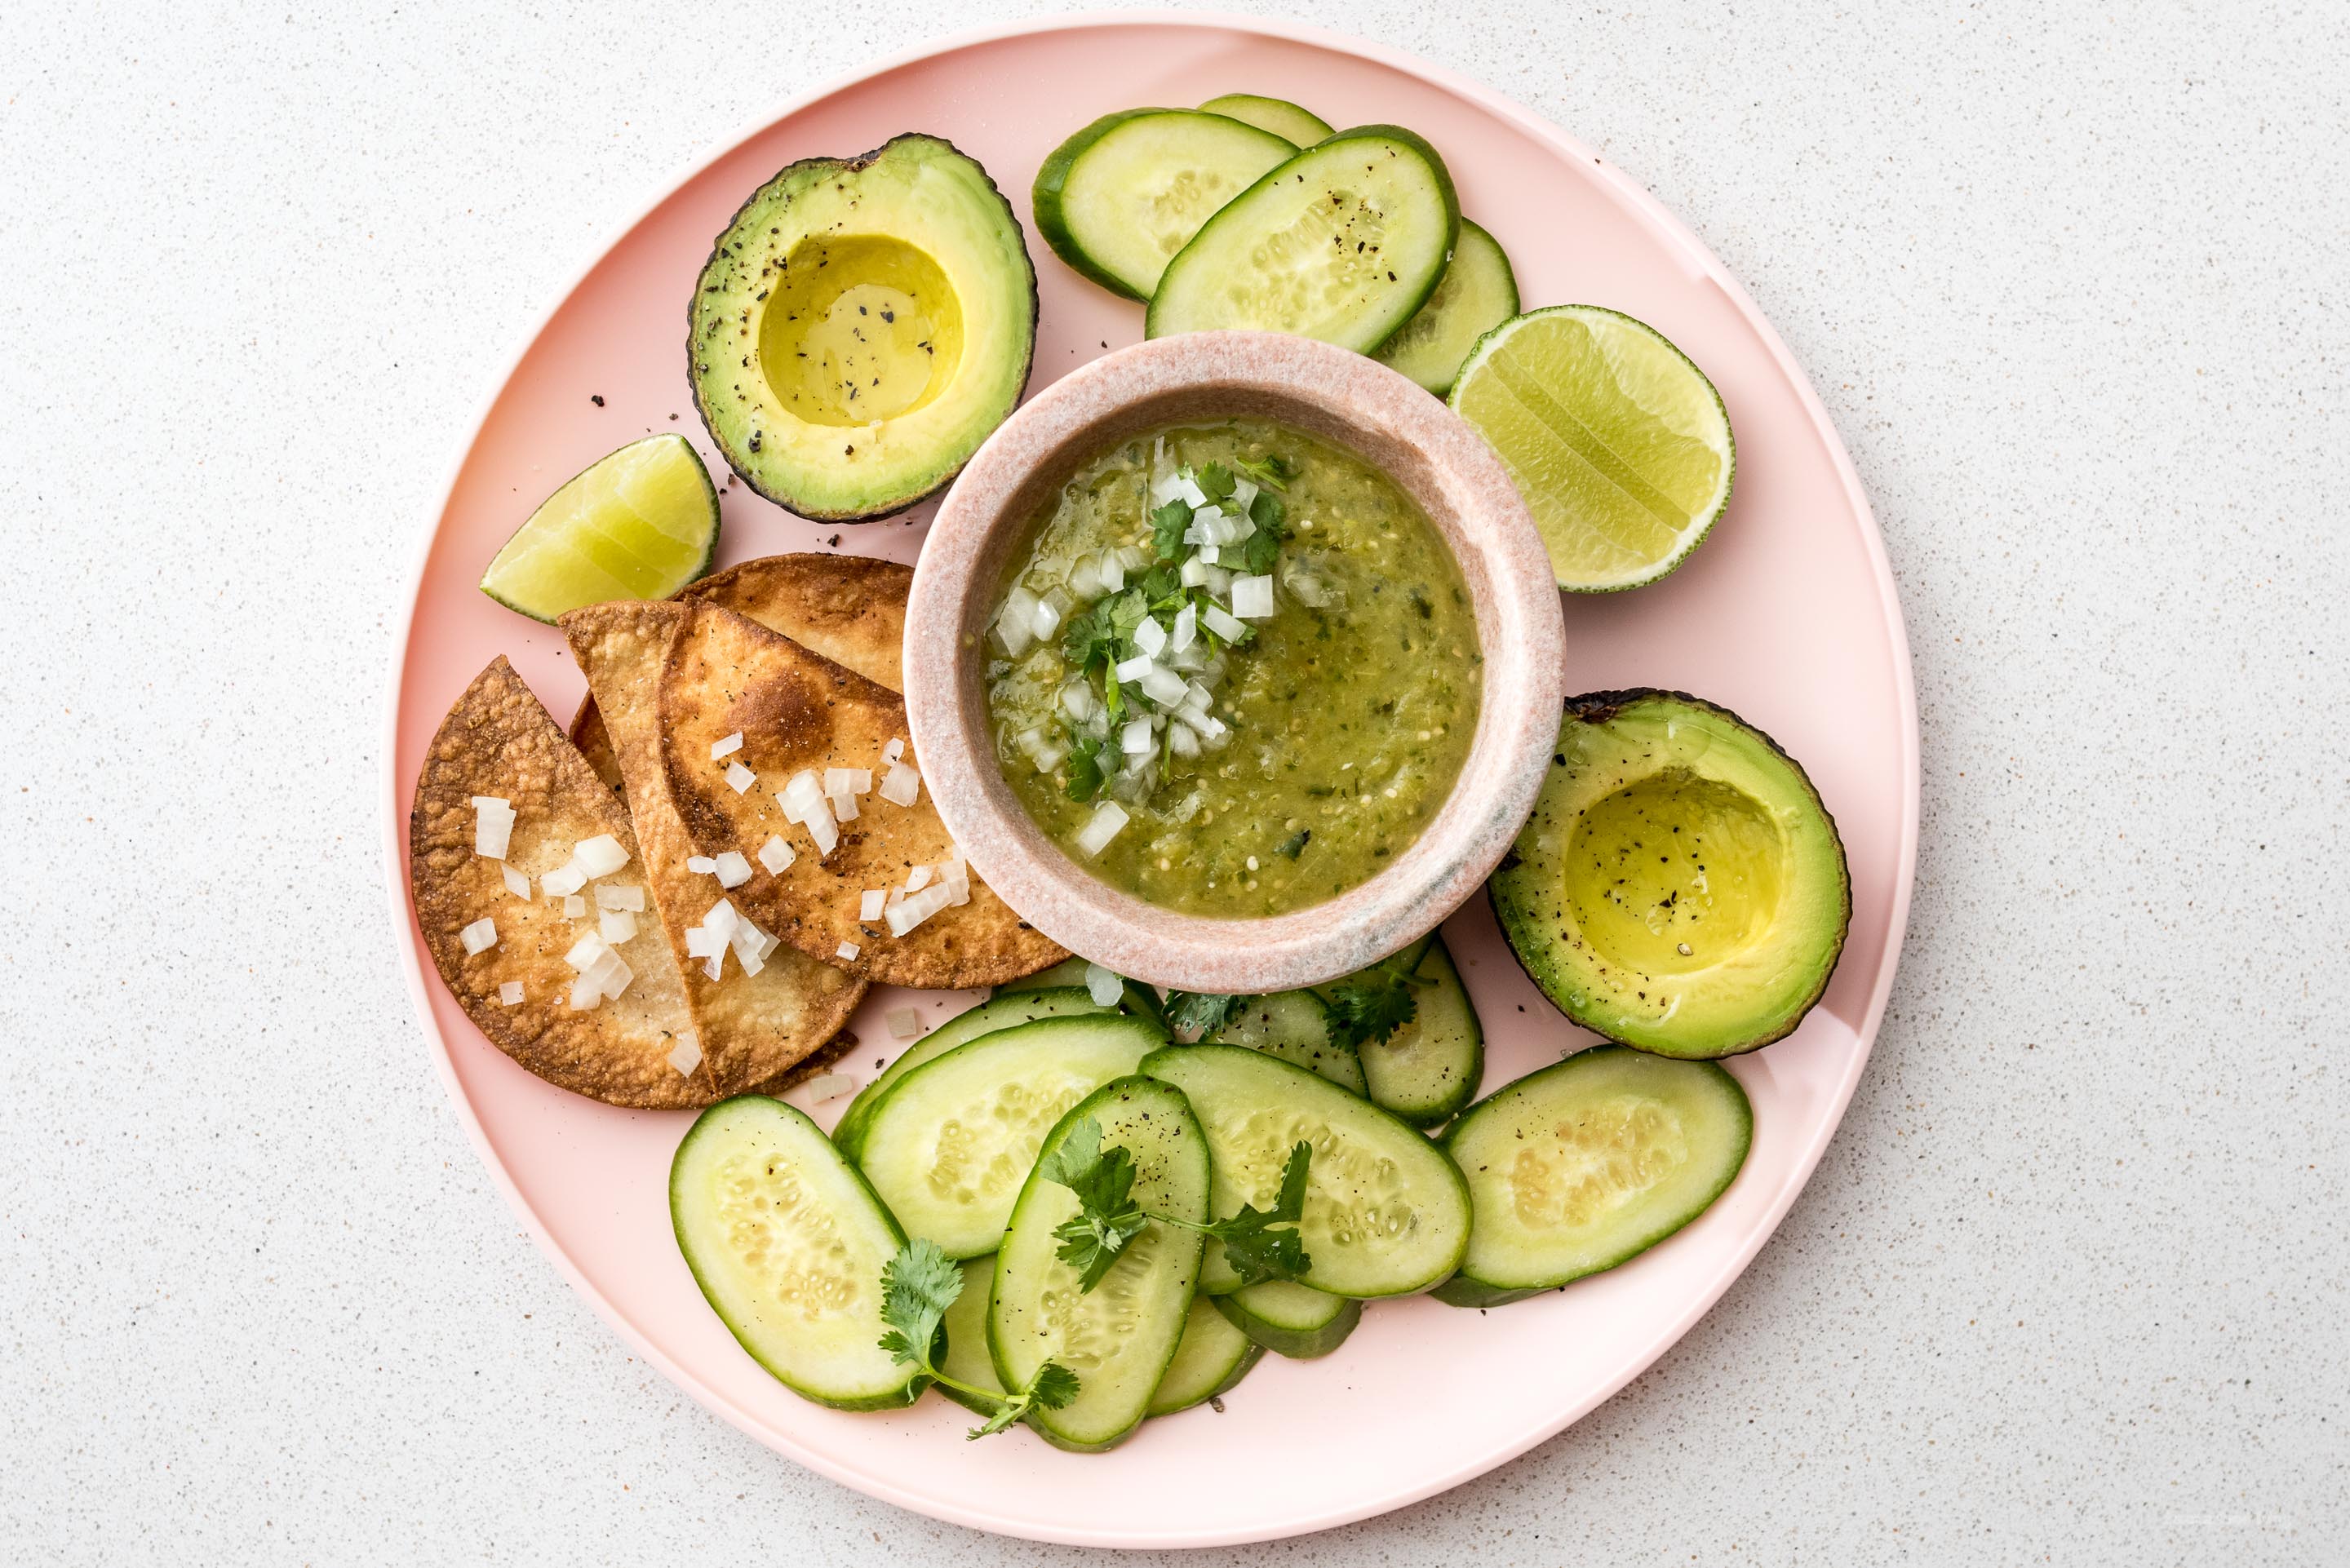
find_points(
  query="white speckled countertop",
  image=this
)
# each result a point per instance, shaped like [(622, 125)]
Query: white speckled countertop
[(2069, 1285)]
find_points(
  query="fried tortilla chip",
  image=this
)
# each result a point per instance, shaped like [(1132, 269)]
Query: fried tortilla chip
[(851, 610), (497, 741), (796, 710), (752, 1026)]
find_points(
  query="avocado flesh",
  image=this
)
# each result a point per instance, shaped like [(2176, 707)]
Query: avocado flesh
[(861, 326), (1679, 888)]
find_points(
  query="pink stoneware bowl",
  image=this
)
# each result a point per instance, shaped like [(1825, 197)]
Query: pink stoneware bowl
[(1437, 459)]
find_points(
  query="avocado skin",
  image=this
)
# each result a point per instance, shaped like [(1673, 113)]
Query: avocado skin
[(855, 165), (1602, 708)]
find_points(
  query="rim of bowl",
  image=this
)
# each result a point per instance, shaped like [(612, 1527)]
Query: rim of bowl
[(1332, 393)]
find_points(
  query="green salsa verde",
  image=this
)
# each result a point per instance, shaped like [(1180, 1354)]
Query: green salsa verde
[(1235, 671)]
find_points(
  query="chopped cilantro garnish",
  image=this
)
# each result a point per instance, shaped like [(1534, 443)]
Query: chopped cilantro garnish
[(917, 1286), (1260, 1244), (1191, 1013)]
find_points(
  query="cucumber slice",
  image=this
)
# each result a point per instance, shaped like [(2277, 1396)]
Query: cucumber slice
[(787, 1243), (1427, 1070), (1576, 1168), (640, 524), (1477, 294), (1385, 1212), (1342, 243), (1120, 1336), (1290, 1319), (987, 1018), (1278, 115), (965, 1358), (1212, 1356), (1293, 1025), (1121, 197), (948, 1146), (1071, 971)]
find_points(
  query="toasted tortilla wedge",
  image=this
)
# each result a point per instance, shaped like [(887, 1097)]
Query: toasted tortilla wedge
[(797, 710), (498, 741), (851, 610), (752, 1027)]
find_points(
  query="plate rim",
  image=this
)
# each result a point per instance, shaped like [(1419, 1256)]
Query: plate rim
[(1680, 240)]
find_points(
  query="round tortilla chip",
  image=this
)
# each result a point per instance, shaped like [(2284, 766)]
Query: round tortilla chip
[(752, 1027), (796, 710), (497, 741), (851, 610)]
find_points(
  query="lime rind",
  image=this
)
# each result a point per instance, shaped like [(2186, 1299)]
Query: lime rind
[(1620, 445), (638, 524)]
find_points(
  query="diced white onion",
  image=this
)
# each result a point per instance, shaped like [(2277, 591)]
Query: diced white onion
[(1211, 728), (563, 880), (1134, 739), (1149, 637), (616, 926), (741, 777), (494, 820), (917, 879), (1243, 499), (802, 794), (1135, 668), (1101, 828), (1079, 702), (701, 865), (1187, 626), (732, 869), (721, 919), (720, 749), (916, 908), (844, 807), (892, 748), (575, 908), (510, 993), (585, 951), (1015, 624), (1188, 488), (1085, 578), (686, 1054), (846, 952), (1210, 554), (598, 856), (902, 784), (701, 941), (1163, 687), (1102, 985), (585, 991), (829, 1086), (609, 896), (820, 827), (1252, 597), (775, 854), (905, 1022), (516, 883), (871, 903), (1182, 740), (482, 933), (611, 974), (1223, 625), (1113, 571), (715, 967), (751, 946)]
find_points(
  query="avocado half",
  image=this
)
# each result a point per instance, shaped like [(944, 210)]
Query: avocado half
[(861, 326), (1679, 888)]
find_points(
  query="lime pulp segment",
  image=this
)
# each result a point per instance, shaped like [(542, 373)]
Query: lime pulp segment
[(638, 524), (1618, 443)]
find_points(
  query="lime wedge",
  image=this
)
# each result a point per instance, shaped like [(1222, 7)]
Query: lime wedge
[(638, 524), (1620, 446)]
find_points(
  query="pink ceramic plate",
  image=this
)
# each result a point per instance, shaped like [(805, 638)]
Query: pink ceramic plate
[(1786, 614)]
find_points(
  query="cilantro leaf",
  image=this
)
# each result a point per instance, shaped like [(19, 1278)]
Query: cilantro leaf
[(917, 1286), (1167, 526), (1086, 774), (1053, 1387), (1371, 1005), (1088, 638), (1215, 481), (1193, 1013), (1258, 551), (1107, 1217), (1256, 1251), (1273, 474)]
